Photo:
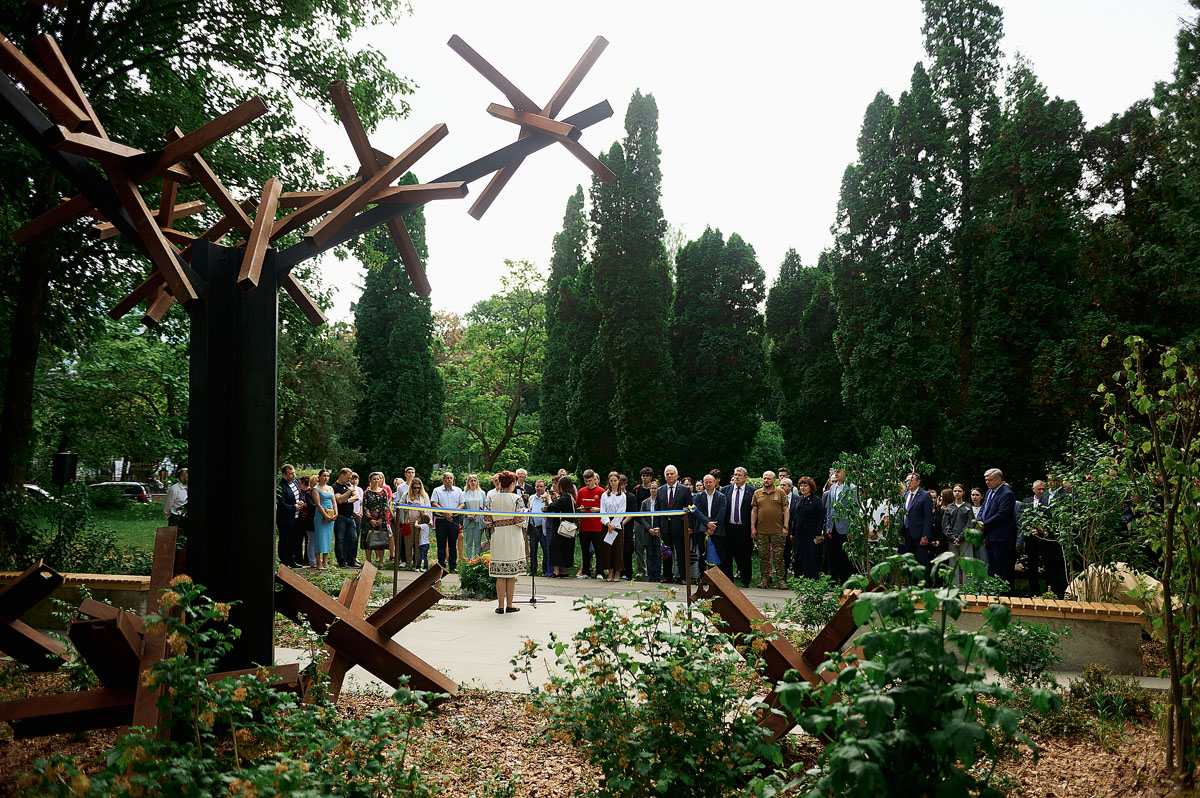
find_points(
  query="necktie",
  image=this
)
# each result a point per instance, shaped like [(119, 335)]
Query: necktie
[(986, 501), (737, 505), (670, 497)]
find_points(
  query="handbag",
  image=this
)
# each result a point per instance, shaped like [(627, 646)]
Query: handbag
[(377, 539), (568, 528)]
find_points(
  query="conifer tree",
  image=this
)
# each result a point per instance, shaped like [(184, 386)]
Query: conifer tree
[(632, 290), (800, 321), (717, 345), (399, 418), (556, 447)]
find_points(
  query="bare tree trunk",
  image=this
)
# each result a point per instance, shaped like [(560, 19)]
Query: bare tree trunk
[(16, 420)]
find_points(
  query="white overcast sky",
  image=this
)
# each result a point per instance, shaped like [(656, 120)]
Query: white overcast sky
[(760, 105)]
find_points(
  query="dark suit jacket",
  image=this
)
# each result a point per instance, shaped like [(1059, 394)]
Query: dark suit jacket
[(285, 502), (747, 505), (1000, 522), (720, 509), (673, 524), (918, 523)]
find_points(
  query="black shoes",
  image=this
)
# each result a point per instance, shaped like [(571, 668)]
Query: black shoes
[(513, 609)]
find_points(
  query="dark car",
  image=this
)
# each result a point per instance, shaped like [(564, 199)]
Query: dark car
[(132, 490)]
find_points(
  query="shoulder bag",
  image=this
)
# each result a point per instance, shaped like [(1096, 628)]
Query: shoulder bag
[(567, 527)]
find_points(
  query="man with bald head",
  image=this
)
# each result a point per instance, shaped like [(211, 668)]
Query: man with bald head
[(769, 515), (708, 522)]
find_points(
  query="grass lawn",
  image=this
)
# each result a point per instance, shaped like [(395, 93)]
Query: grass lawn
[(134, 523)]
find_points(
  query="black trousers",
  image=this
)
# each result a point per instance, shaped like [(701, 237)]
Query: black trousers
[(739, 550), (291, 541), (837, 561), (1053, 562), (1002, 560)]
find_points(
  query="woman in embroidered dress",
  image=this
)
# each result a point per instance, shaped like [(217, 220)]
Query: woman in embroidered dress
[(508, 545)]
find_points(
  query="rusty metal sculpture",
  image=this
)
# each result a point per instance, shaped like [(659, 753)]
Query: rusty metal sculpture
[(230, 290)]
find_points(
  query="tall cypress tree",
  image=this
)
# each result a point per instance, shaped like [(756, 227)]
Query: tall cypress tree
[(632, 290), (717, 346), (800, 320), (962, 40), (556, 447), (589, 408), (399, 419), (1029, 184)]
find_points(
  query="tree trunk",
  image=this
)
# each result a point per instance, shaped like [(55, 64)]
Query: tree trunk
[(16, 422)]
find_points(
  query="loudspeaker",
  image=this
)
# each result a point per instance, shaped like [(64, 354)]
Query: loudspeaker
[(62, 472)]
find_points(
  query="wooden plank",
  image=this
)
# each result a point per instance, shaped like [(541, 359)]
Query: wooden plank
[(154, 648), (227, 223), (515, 96), (298, 199), (305, 302), (165, 214), (215, 188), (575, 77), (333, 198), (550, 127), (131, 300), (43, 90), (64, 213), (106, 230), (55, 714), (157, 306), (424, 192), (161, 252), (409, 256), (30, 647), (385, 658), (590, 161), (178, 237), (361, 197), (111, 647), (110, 153), (354, 597), (33, 586), (492, 190), (407, 605), (64, 77), (260, 233), (101, 612), (182, 147)]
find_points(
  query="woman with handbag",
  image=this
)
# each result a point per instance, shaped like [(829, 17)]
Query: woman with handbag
[(473, 523), (562, 540), (322, 496), (377, 534), (418, 522), (508, 544)]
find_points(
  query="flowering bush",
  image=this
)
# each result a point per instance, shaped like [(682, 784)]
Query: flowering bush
[(238, 736), (473, 578), (649, 695)]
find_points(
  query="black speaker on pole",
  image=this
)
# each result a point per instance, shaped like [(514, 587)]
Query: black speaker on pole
[(62, 472)]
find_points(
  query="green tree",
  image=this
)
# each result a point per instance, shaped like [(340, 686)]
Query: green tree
[(399, 418), (147, 67), (632, 289), (593, 433), (319, 386), (801, 317), (717, 346), (962, 41), (495, 372), (556, 446), (1029, 181)]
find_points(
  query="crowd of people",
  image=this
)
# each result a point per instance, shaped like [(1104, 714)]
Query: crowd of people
[(627, 533)]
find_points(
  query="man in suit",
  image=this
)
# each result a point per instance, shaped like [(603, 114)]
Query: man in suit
[(998, 519), (738, 546), (1028, 539), (708, 521), (838, 501), (674, 495), (918, 520), (287, 518)]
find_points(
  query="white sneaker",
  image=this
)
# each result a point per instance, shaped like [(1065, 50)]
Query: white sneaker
[(581, 575)]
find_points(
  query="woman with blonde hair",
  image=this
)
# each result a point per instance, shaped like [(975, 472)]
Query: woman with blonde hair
[(418, 521), (473, 523), (508, 544)]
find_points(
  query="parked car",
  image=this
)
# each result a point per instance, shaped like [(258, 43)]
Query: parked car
[(132, 490), (38, 494)]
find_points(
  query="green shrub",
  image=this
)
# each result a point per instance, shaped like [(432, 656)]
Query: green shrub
[(238, 736), (983, 585), (916, 710), (650, 696), (473, 578), (107, 498), (815, 601), (1030, 652), (1109, 696)]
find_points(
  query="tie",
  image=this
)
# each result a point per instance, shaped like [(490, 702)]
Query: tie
[(670, 497), (737, 506), (986, 500)]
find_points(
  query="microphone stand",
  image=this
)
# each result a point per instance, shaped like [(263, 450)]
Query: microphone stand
[(533, 599)]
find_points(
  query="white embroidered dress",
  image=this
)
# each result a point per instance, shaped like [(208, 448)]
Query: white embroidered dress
[(508, 544)]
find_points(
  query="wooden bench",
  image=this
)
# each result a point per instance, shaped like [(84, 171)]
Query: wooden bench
[(118, 589)]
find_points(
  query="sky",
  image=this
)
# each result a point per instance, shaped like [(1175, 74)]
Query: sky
[(760, 105)]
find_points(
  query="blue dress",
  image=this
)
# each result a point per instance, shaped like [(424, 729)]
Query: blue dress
[(323, 528)]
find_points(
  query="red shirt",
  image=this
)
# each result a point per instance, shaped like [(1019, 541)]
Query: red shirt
[(589, 501)]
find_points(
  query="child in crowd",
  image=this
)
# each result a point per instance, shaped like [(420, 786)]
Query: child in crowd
[(423, 554)]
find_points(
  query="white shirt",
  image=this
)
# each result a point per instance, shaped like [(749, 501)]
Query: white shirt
[(708, 510), (735, 500), (175, 500), (613, 503), (447, 498), (358, 492)]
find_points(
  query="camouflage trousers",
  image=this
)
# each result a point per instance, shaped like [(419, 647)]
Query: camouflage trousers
[(770, 554)]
